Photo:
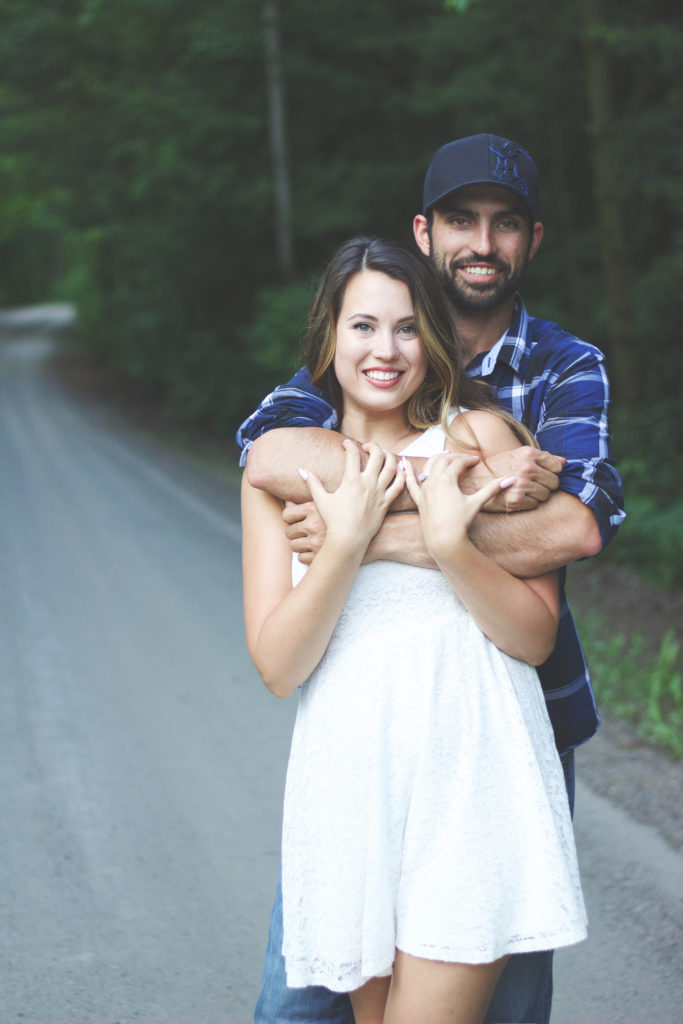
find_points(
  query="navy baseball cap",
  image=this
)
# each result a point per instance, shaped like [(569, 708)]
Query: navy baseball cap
[(482, 160)]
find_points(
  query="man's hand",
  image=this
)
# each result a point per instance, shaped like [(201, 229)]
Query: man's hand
[(536, 475), (305, 530)]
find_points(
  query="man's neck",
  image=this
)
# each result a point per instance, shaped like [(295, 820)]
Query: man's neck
[(479, 332)]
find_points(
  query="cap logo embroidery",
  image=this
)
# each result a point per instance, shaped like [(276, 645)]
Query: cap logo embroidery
[(506, 165)]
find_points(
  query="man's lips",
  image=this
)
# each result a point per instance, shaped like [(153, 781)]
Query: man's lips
[(483, 272)]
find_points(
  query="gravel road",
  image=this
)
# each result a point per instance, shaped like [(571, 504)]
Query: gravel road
[(142, 761)]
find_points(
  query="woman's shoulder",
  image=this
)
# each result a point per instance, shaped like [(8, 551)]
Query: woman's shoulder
[(430, 441), (491, 431)]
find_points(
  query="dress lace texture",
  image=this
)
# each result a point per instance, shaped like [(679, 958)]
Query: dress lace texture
[(425, 805)]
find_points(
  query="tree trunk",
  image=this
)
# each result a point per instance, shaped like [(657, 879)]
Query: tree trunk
[(278, 142), (616, 268)]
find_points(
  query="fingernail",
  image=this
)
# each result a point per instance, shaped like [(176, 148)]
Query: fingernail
[(507, 482), (303, 474)]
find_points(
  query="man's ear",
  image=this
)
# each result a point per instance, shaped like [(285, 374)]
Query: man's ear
[(536, 238), (421, 232)]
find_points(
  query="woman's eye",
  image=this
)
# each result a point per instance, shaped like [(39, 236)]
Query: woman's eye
[(362, 328), (408, 330)]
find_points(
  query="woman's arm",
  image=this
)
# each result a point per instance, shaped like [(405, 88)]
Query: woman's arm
[(287, 628), (519, 616)]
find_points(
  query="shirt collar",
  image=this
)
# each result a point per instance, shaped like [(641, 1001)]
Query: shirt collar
[(511, 347), (489, 359)]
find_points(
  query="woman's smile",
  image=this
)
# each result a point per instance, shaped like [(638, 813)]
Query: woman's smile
[(379, 360), (383, 378)]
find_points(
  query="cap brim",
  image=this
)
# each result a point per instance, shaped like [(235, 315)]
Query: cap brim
[(533, 210)]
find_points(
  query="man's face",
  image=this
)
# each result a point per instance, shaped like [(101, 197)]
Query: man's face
[(480, 242)]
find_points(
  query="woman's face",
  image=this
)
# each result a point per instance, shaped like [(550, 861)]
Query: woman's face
[(379, 360)]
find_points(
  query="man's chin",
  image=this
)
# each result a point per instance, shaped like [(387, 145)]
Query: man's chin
[(476, 299)]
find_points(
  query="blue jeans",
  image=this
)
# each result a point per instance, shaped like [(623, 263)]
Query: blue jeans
[(523, 994)]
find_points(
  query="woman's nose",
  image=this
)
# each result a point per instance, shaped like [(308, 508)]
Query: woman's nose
[(385, 345)]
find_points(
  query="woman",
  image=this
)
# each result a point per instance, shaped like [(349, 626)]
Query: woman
[(426, 829)]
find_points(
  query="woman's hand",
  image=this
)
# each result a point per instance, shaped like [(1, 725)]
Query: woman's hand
[(446, 511), (355, 511)]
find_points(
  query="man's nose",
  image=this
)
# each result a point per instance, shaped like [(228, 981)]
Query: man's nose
[(481, 239)]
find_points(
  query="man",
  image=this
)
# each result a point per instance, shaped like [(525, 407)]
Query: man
[(480, 227)]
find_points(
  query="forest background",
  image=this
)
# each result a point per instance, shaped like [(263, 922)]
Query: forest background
[(180, 170)]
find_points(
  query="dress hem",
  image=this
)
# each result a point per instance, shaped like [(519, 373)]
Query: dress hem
[(334, 983)]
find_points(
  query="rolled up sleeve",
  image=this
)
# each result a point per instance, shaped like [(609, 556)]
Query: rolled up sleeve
[(573, 422), (295, 404)]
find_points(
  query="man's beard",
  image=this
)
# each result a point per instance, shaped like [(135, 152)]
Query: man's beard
[(473, 299)]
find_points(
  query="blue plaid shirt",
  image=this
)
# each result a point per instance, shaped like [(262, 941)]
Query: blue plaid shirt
[(556, 385)]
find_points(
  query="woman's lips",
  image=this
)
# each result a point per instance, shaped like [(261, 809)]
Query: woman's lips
[(382, 378)]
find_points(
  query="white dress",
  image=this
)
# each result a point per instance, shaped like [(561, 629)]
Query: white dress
[(425, 805)]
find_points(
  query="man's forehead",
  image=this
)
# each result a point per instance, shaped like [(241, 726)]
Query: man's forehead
[(470, 196)]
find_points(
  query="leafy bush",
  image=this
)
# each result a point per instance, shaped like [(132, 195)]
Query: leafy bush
[(646, 690), (648, 453), (651, 540), (272, 341)]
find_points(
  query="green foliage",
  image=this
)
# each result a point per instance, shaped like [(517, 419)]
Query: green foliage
[(273, 340), (649, 453), (651, 539), (135, 173), (637, 686)]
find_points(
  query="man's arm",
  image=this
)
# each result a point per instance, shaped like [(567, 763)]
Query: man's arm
[(521, 543), (298, 403), (527, 544), (533, 543), (275, 453), (276, 456), (584, 514)]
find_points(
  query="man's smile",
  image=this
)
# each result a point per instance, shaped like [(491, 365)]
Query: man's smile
[(481, 271)]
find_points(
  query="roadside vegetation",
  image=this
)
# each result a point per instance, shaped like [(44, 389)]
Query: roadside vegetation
[(636, 684)]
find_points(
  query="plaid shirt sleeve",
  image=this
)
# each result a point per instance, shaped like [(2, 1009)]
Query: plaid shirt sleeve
[(571, 420), (295, 404)]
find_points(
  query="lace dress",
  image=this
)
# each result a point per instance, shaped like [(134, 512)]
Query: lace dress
[(425, 805)]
